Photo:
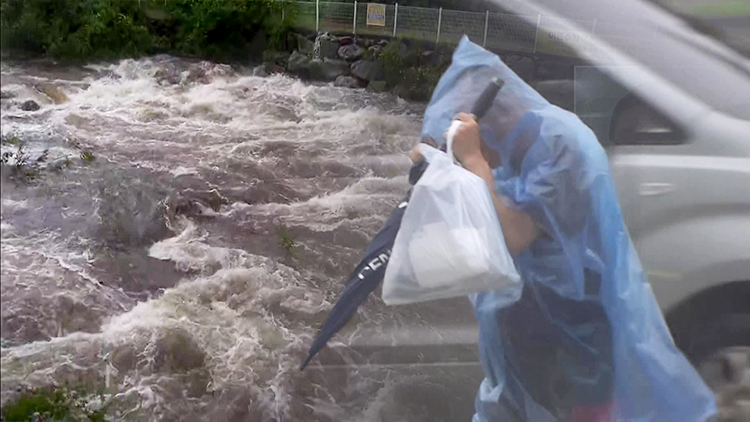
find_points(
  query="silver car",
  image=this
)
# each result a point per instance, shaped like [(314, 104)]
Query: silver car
[(672, 108)]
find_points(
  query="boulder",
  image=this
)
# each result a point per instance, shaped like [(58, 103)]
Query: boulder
[(327, 69), (30, 105), (347, 82), (377, 86), (260, 71), (367, 70), (329, 46), (304, 45), (346, 40), (351, 52), (558, 92), (273, 68), (290, 42), (298, 63), (168, 74), (281, 58), (374, 51)]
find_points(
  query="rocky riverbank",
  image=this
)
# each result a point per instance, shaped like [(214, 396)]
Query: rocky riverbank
[(409, 68)]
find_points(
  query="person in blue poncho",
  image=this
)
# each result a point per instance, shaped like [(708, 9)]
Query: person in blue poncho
[(583, 339)]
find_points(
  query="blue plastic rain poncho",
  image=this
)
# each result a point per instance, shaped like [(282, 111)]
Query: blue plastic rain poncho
[(583, 338)]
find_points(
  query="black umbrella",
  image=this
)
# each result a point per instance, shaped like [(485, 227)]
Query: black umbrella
[(370, 270)]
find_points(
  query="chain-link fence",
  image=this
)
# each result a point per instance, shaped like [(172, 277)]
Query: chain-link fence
[(307, 16), (418, 23), (454, 24), (496, 31), (511, 33), (335, 17)]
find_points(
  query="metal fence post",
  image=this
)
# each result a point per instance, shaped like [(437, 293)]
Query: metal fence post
[(317, 15), (440, 18), (354, 24), (536, 34), (486, 21), (395, 20)]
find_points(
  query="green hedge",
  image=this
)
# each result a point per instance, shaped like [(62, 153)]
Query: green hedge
[(86, 29), (409, 74)]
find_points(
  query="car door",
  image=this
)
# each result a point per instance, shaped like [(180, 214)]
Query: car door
[(680, 191)]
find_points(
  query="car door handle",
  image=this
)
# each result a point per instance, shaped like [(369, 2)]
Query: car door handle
[(655, 189)]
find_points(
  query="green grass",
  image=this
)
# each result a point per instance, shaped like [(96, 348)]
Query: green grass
[(285, 240), (57, 404), (88, 157)]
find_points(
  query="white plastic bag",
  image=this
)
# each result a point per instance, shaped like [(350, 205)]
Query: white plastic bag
[(450, 242)]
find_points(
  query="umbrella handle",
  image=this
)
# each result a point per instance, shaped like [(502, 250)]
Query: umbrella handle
[(482, 105), (485, 100)]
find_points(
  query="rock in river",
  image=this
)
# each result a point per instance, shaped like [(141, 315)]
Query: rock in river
[(347, 82), (329, 46), (327, 69), (304, 45), (30, 105), (298, 63), (351, 52), (368, 70)]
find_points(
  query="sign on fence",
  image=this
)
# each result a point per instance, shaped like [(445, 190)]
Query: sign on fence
[(375, 14), (559, 42)]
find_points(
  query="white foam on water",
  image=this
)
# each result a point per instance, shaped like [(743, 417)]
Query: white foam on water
[(50, 287), (240, 321), (212, 117), (226, 342), (11, 205)]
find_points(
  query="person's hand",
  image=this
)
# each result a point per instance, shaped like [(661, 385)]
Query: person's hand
[(467, 144), (414, 155)]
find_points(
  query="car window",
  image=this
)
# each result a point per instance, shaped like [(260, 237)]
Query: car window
[(635, 123), (617, 115), (706, 64)]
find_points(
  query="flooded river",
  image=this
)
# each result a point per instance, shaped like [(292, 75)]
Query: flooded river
[(174, 233)]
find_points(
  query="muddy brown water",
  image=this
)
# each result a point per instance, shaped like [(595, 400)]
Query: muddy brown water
[(154, 272)]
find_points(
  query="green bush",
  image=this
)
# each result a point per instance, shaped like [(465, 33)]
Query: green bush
[(74, 29), (409, 74), (85, 29)]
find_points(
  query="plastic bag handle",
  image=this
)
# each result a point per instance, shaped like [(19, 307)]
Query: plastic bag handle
[(449, 139), (484, 102)]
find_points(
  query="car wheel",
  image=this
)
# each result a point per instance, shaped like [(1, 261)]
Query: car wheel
[(721, 352)]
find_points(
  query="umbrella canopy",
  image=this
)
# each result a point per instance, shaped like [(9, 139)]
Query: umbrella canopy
[(365, 278), (371, 269)]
